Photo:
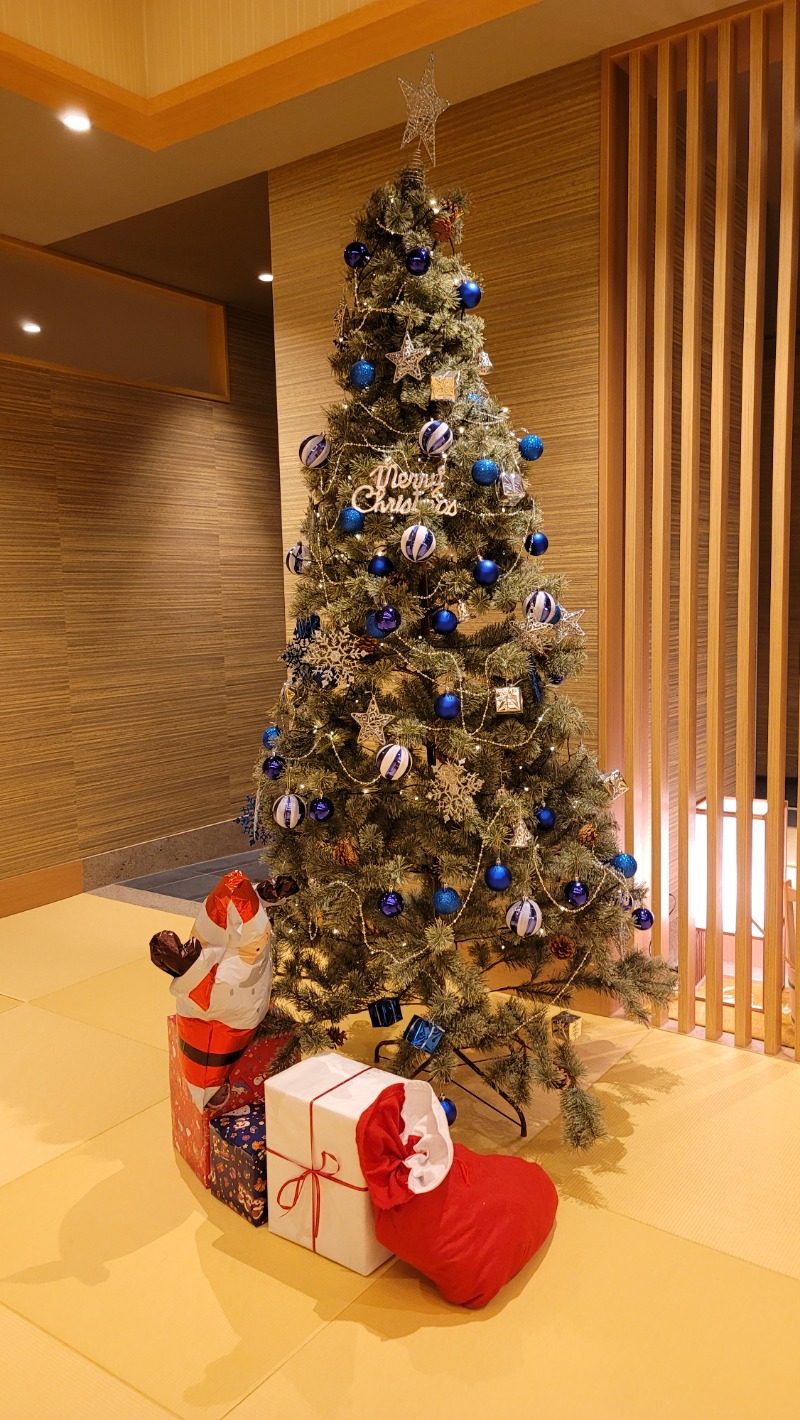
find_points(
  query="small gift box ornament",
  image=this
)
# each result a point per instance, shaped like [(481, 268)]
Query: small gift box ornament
[(508, 700), (614, 783), (385, 1012), (511, 486), (566, 1026), (423, 1034), (444, 384), (238, 1162)]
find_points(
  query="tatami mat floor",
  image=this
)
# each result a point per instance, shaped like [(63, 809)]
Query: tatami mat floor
[(670, 1288)]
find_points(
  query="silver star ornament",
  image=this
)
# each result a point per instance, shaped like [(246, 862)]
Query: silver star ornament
[(407, 360), (424, 108), (371, 724)]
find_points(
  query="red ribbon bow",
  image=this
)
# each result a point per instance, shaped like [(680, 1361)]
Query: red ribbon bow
[(298, 1181)]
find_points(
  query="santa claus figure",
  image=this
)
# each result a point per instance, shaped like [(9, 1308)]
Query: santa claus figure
[(222, 982)]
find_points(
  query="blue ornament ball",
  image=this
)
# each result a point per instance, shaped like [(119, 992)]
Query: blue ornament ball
[(447, 706), (536, 544), (485, 472), (320, 809), (435, 437), (350, 519), (497, 877), (394, 761), (469, 294), (297, 558), (270, 735), (314, 450), (446, 901), (356, 255), (576, 893), (387, 618), (391, 904), (373, 629), (642, 919), (418, 261), (542, 607), (545, 818), (624, 863), (362, 374), (450, 1111), (380, 565), (288, 811), (274, 766), (531, 447), (417, 543), (443, 620), (485, 572), (556, 680)]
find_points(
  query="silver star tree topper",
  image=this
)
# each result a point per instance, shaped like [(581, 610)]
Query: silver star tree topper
[(424, 108)]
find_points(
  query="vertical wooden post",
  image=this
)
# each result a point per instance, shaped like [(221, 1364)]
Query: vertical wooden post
[(718, 510), (636, 600), (747, 621), (690, 508), (611, 592), (785, 336), (663, 322)]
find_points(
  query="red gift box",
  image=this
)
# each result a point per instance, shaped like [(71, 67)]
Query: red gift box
[(190, 1126)]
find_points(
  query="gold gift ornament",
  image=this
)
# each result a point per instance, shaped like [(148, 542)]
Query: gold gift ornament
[(444, 384), (566, 1026), (508, 700)]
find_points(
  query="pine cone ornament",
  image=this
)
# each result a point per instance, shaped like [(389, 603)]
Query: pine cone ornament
[(444, 223), (345, 854), (587, 835), (336, 1036), (367, 645), (562, 948)]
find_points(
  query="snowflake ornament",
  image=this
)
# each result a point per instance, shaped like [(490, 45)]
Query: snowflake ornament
[(453, 789), (335, 656)]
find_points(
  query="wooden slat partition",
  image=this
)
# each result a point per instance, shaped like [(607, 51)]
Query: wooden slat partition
[(702, 294), (636, 396), (785, 338), (718, 504), (663, 336), (691, 376), (747, 626)]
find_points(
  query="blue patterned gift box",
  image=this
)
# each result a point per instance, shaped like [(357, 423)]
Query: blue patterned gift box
[(239, 1162)]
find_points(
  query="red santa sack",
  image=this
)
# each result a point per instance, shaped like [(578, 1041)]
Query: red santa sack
[(467, 1221)]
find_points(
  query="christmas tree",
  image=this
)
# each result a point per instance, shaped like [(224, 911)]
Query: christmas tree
[(429, 808)]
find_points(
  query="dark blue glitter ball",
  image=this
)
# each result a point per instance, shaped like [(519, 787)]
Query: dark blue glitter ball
[(362, 373), (446, 901), (531, 447), (485, 472), (624, 863), (350, 520)]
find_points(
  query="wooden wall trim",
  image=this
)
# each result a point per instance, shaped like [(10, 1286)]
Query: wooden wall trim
[(701, 24), (27, 890), (347, 45)]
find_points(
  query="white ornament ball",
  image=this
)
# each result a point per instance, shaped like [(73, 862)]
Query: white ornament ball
[(524, 917), (417, 543), (541, 607), (314, 450), (298, 558), (435, 438), (394, 761), (288, 811)]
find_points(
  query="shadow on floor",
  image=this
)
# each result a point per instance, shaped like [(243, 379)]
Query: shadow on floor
[(195, 881)]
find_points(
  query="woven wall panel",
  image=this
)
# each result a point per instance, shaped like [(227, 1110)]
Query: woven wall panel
[(145, 556)]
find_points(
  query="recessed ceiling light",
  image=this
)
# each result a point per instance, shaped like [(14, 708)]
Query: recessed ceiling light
[(265, 276), (30, 327), (73, 118)]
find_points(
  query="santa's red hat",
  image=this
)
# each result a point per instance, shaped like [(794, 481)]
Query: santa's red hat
[(232, 907)]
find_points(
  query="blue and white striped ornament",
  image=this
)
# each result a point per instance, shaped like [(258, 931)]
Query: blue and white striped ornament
[(541, 607), (524, 917), (288, 811), (298, 558), (435, 437), (417, 542), (315, 450), (394, 761)]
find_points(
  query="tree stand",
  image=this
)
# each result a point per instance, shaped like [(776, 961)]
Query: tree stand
[(465, 1060)]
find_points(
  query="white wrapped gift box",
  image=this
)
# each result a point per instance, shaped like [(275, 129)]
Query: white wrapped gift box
[(316, 1192)]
